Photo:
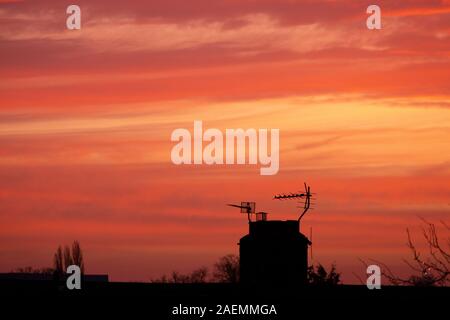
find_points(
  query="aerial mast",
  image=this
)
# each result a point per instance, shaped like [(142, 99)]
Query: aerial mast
[(246, 207), (305, 196)]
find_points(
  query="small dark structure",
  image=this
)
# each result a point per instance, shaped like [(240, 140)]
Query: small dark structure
[(274, 252)]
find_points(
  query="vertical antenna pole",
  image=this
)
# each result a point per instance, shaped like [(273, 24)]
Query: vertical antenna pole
[(310, 239)]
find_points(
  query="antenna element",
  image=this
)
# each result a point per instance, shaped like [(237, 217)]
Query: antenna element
[(306, 196)]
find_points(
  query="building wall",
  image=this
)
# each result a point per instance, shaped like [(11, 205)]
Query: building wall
[(274, 252)]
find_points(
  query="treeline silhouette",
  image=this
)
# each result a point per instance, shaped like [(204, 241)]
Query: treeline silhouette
[(226, 270), (429, 270), (70, 255)]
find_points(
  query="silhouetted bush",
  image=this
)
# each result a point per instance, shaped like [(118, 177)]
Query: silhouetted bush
[(227, 269), (320, 277)]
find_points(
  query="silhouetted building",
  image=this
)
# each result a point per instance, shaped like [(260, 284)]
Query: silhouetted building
[(274, 252)]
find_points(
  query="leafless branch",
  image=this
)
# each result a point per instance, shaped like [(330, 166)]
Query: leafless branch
[(432, 270)]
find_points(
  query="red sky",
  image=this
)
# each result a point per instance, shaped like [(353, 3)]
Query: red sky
[(86, 118)]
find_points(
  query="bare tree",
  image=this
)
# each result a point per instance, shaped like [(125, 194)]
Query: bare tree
[(68, 261), (227, 269), (179, 278), (64, 258), (431, 270), (199, 276), (77, 256), (58, 262)]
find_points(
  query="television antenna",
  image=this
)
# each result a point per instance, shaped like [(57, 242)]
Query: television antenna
[(246, 207), (306, 196), (249, 209)]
